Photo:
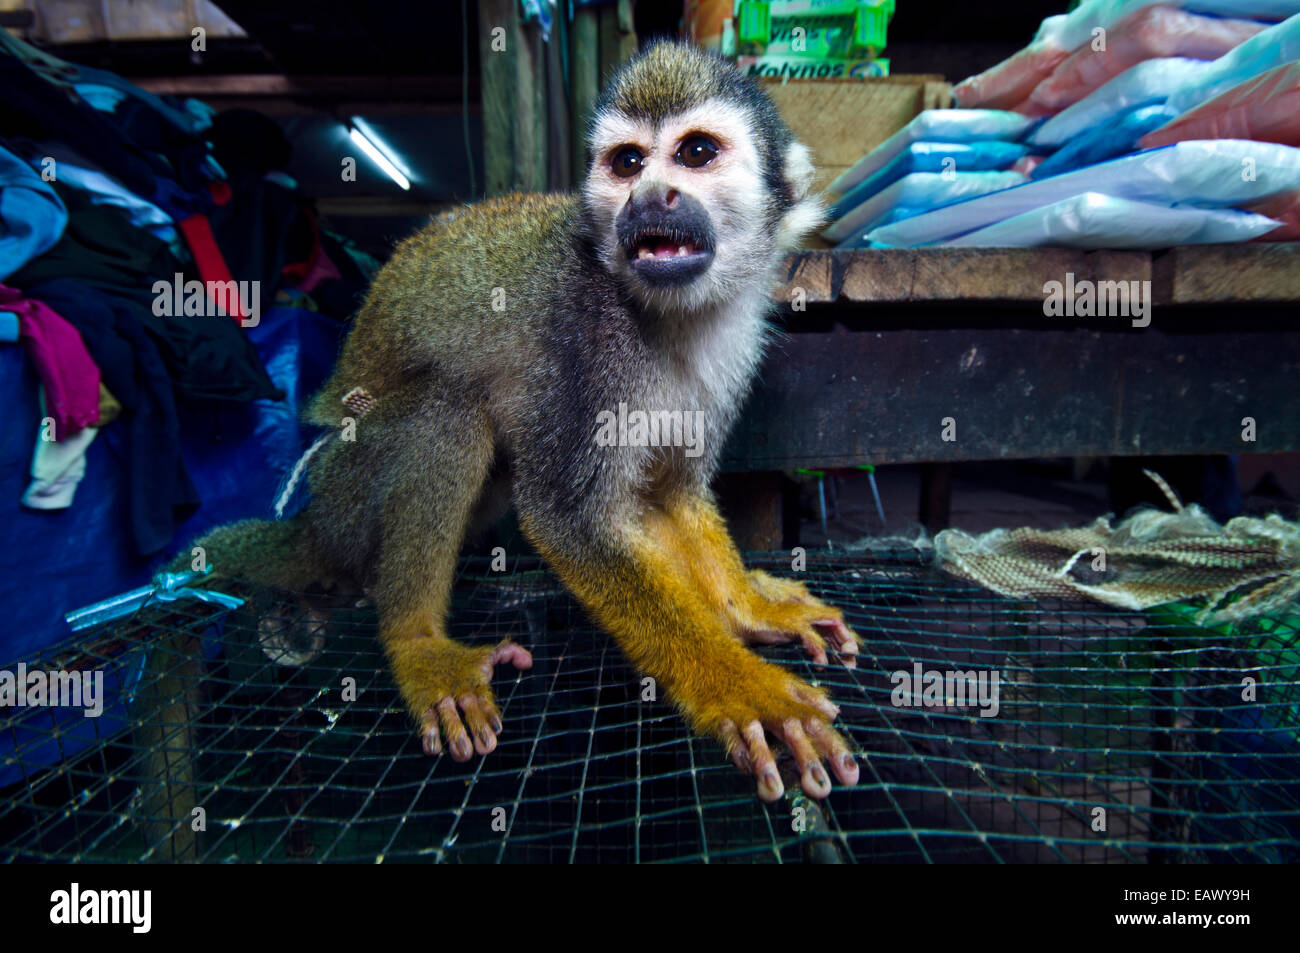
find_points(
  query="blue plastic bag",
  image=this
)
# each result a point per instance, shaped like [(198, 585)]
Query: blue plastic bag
[(1117, 137), (946, 158)]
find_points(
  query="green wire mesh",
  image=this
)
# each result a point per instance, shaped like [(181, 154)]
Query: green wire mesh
[(1121, 737)]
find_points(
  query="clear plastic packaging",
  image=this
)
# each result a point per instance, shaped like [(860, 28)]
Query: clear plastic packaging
[(1201, 173), (1009, 84), (1093, 220), (918, 192), (1115, 137), (1285, 208), (1076, 28), (1151, 82), (1277, 45), (1149, 33), (949, 158), (1011, 81), (936, 125), (1266, 108)]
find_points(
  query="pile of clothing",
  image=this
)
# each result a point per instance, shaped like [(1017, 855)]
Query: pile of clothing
[(168, 299), (1123, 124)]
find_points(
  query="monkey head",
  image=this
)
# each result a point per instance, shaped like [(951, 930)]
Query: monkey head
[(695, 186)]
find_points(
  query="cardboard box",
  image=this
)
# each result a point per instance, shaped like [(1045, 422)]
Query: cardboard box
[(841, 120)]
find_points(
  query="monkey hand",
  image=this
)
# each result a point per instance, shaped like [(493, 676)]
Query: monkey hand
[(740, 707), (441, 681), (782, 610)]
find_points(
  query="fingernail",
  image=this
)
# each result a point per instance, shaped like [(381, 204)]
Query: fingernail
[(848, 762), (496, 724), (819, 776)]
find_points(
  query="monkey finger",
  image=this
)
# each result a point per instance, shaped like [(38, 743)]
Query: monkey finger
[(458, 742), (429, 735), (815, 781), (512, 652), (814, 645), (767, 637), (844, 639), (736, 747), (476, 718), (835, 749), (814, 699), (770, 787)]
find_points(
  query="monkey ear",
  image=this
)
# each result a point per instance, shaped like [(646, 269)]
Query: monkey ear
[(799, 169), (808, 213)]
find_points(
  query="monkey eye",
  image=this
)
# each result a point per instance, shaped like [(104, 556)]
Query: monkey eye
[(626, 162), (696, 150)]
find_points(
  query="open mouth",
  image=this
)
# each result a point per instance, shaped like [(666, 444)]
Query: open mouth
[(668, 259)]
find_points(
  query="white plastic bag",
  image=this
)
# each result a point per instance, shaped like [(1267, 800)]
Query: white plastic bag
[(1205, 173), (1093, 220), (937, 125), (923, 190), (1152, 81)]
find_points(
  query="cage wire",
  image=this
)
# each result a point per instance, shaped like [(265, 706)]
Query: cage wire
[(1120, 737)]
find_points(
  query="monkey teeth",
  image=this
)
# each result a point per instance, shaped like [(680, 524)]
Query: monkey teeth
[(663, 249)]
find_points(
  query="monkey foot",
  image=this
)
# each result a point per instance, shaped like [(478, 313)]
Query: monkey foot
[(785, 611), (809, 738), (462, 712)]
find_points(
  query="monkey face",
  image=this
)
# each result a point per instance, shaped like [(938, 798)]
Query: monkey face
[(680, 208)]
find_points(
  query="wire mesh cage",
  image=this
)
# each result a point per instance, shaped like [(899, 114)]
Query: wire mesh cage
[(272, 732)]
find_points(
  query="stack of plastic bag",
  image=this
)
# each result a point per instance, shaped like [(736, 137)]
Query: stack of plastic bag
[(941, 156), (1211, 85), (1153, 199)]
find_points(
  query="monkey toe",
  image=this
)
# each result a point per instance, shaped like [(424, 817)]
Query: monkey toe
[(816, 627), (780, 706), (508, 651)]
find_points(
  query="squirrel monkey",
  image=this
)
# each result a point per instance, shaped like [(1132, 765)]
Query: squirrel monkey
[(491, 353)]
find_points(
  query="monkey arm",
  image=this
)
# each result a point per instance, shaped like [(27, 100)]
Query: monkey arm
[(636, 581), (761, 609)]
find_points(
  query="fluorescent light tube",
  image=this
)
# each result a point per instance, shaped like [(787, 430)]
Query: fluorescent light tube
[(377, 156)]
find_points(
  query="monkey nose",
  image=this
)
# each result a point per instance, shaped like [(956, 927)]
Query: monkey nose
[(654, 198)]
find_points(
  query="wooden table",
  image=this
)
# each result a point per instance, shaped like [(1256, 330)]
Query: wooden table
[(939, 355)]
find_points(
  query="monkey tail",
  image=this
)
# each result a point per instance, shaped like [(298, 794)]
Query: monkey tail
[(276, 554)]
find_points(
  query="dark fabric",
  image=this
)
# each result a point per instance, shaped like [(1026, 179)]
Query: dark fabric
[(208, 357), (161, 492), (245, 140), (259, 230), (340, 297), (36, 109), (101, 248)]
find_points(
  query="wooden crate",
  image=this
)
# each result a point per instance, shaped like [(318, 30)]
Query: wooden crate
[(841, 120), (88, 21)]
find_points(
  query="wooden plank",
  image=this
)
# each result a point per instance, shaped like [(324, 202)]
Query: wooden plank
[(497, 68), (1230, 274), (533, 157), (617, 37), (584, 79), (881, 390), (1267, 273), (559, 139), (413, 88)]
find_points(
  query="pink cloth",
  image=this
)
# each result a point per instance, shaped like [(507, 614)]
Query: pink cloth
[(70, 377)]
